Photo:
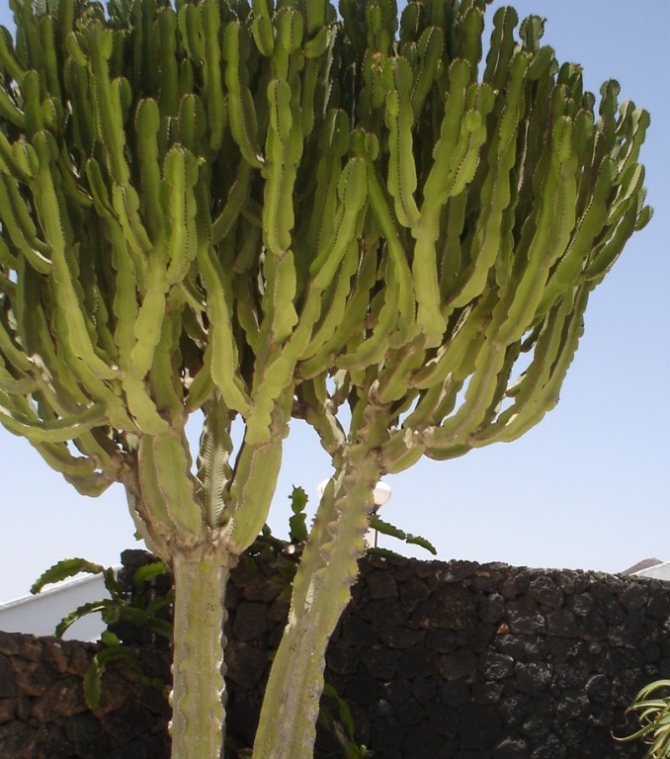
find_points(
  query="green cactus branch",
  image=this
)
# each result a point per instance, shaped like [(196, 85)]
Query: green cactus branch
[(321, 591), (271, 211)]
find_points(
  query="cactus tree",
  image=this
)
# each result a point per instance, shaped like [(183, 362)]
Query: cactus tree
[(272, 212)]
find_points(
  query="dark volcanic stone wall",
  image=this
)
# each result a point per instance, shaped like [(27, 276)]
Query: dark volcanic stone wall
[(475, 661), (461, 660), (43, 714), (449, 660)]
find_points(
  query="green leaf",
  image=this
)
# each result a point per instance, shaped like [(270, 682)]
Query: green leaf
[(93, 676), (81, 611), (161, 627), (299, 499), (109, 638), (112, 585), (386, 528), (93, 683), (148, 572), (297, 523), (136, 617), (64, 569), (417, 540), (344, 730)]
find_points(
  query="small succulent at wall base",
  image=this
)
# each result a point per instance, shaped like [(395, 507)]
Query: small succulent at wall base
[(651, 706), (260, 212)]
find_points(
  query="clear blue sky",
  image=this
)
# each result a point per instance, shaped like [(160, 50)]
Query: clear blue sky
[(588, 488)]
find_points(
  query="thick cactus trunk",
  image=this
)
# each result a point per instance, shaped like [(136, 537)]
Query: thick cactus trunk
[(198, 694)]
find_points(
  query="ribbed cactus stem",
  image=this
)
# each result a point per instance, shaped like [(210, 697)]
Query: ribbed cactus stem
[(322, 590), (198, 692)]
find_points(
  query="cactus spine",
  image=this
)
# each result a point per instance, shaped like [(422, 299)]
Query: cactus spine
[(267, 212)]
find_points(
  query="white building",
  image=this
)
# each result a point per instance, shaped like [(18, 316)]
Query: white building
[(39, 614), (660, 571)]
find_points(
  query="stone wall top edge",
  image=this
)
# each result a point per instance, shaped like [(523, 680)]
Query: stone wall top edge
[(458, 569), (455, 569)]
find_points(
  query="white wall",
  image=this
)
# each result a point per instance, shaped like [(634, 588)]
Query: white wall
[(41, 613), (659, 571)]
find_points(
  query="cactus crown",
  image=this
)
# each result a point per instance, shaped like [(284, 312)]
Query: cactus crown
[(268, 211)]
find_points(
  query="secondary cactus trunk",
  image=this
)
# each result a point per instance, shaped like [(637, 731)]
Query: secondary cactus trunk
[(321, 591)]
